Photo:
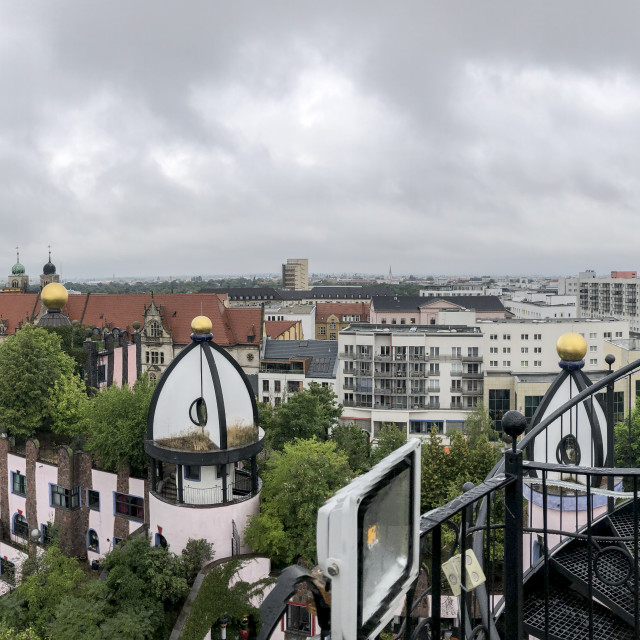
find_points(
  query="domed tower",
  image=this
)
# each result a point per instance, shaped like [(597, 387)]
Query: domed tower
[(54, 297), (49, 273), (18, 279), (203, 438), (579, 437)]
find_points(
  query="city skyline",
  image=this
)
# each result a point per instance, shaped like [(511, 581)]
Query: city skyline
[(440, 138)]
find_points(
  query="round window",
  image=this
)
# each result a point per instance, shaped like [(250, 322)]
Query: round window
[(568, 451), (198, 412)]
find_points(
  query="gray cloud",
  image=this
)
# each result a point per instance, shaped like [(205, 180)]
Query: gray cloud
[(169, 138)]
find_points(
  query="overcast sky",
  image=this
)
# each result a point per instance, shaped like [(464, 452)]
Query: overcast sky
[(163, 138)]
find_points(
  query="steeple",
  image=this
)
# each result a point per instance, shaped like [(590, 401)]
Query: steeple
[(18, 280), (49, 274)]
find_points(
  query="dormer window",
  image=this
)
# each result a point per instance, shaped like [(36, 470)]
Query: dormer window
[(155, 330)]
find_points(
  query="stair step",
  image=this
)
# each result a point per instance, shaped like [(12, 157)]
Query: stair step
[(569, 617), (623, 524), (573, 562)]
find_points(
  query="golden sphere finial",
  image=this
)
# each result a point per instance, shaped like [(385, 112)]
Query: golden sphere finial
[(571, 347), (54, 296), (201, 325)]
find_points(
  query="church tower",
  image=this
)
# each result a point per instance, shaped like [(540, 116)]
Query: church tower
[(18, 280), (48, 273)]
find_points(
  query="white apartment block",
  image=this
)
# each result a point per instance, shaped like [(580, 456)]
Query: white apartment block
[(425, 376), (606, 297), (549, 307), (417, 377)]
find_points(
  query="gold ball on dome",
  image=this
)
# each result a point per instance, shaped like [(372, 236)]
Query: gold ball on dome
[(54, 296), (201, 325), (571, 347)]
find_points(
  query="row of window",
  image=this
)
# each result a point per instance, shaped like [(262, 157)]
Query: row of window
[(130, 506), (154, 357)]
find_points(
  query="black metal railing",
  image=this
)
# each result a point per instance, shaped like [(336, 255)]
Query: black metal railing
[(557, 543)]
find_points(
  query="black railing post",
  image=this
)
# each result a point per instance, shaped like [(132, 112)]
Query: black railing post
[(179, 484), (436, 581), (513, 424), (610, 461)]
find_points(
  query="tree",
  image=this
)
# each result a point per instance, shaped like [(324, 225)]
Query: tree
[(38, 388), (390, 438), (434, 474), (478, 424), (117, 424), (296, 482), (308, 413), (352, 441), (627, 440)]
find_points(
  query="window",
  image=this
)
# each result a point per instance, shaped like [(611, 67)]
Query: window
[(434, 352), (434, 401), (65, 498), (157, 357), (192, 472), (456, 352), (322, 331), (593, 348), (593, 360), (93, 499), (506, 349), (524, 350), (537, 336), (456, 367), (47, 534), (493, 336), (493, 349), (524, 363), (499, 404), (524, 336), (618, 334), (472, 352), (332, 336), (298, 619), (265, 385), (537, 363), (506, 363), (607, 335), (7, 571), (537, 349), (276, 386), (530, 405), (332, 325), (434, 369), (18, 483), (506, 336), (618, 406), (403, 321), (155, 330), (493, 363), (593, 335), (129, 506), (277, 401), (93, 543), (102, 372), (20, 526)]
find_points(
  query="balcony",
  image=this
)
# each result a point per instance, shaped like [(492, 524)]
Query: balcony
[(349, 386), (381, 358), (348, 403), (471, 358), (471, 392), (473, 376), (433, 405), (347, 356), (455, 389), (383, 374)]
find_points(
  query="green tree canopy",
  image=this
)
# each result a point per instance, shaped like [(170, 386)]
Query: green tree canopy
[(38, 388), (627, 440), (308, 413), (117, 423), (352, 441), (297, 481), (390, 438), (478, 424)]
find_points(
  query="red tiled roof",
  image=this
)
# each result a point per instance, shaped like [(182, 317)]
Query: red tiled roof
[(275, 328), (18, 308), (339, 309)]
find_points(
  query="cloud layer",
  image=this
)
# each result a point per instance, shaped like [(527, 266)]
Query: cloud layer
[(158, 138)]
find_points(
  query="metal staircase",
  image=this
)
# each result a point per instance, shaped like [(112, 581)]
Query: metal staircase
[(589, 583)]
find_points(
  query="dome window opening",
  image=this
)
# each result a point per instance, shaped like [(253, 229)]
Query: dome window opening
[(198, 412)]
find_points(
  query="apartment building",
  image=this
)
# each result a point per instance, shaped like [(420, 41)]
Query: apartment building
[(332, 317), (520, 359), (303, 313), (417, 377), (288, 366), (425, 376), (295, 274), (605, 297)]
